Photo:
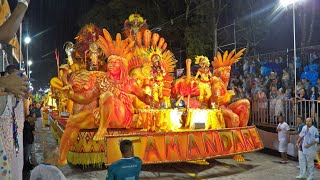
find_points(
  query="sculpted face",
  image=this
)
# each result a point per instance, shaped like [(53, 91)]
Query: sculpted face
[(225, 74), (156, 60), (113, 66), (202, 64)]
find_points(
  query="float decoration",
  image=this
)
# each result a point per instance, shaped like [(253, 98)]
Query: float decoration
[(204, 83), (134, 24), (131, 98)]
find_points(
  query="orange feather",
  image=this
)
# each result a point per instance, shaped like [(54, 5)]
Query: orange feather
[(147, 38), (155, 39)]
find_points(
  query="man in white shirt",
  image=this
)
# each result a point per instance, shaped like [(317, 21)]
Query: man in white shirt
[(310, 137), (283, 138), (47, 170)]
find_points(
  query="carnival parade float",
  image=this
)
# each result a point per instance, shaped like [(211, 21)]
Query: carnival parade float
[(124, 88)]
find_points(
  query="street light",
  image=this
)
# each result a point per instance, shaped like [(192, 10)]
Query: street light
[(27, 40), (29, 63), (286, 3)]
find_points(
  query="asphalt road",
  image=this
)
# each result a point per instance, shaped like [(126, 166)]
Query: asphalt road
[(258, 166)]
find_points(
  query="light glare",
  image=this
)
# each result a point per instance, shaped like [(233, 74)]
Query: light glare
[(286, 3), (27, 40)]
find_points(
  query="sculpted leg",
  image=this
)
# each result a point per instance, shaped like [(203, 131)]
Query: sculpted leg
[(230, 118), (75, 122), (208, 93), (242, 109), (106, 105), (201, 96), (155, 93)]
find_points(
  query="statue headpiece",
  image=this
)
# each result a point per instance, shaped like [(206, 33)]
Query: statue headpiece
[(137, 16), (121, 49), (150, 46), (154, 55), (68, 47), (227, 59), (87, 35), (202, 59)]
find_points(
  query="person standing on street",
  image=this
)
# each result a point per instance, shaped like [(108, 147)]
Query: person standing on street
[(309, 138), (299, 126), (128, 167), (283, 138)]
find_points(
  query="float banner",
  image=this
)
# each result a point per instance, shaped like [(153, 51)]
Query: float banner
[(186, 145)]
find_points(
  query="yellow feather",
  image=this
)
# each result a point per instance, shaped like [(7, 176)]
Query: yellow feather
[(240, 53), (128, 48), (104, 46), (215, 62), (220, 62), (164, 47), (108, 38), (129, 56), (230, 55), (235, 58), (118, 40), (225, 55)]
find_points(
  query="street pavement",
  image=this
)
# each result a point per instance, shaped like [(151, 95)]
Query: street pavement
[(258, 166)]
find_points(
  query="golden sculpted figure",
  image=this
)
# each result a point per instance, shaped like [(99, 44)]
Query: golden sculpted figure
[(205, 75), (113, 92), (157, 72), (134, 24), (237, 113), (152, 65)]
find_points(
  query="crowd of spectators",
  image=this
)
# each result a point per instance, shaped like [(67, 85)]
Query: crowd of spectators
[(272, 95)]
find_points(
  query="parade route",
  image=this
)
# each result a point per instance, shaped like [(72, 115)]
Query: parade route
[(258, 165)]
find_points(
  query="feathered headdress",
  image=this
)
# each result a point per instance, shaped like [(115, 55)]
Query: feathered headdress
[(123, 49), (153, 54), (202, 59), (134, 16), (149, 45), (131, 27), (85, 37), (227, 59)]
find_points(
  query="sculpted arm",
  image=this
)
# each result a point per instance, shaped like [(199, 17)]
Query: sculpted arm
[(140, 94), (84, 98), (197, 75)]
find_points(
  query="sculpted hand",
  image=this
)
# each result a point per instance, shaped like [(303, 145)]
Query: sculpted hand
[(15, 84)]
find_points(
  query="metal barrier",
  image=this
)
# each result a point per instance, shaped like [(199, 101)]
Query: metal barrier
[(265, 112)]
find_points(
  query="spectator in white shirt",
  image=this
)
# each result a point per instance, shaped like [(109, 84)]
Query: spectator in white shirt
[(309, 137), (283, 130), (47, 170)]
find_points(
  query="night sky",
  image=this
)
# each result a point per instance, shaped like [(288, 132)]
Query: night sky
[(51, 23)]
